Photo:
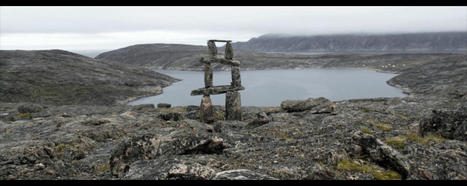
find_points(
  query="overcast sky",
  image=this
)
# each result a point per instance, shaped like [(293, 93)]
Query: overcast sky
[(89, 28)]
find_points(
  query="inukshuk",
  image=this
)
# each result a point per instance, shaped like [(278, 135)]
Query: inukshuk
[(233, 110)]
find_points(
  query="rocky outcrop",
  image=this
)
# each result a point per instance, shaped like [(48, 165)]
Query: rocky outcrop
[(314, 105), (451, 124), (62, 78), (382, 153), (241, 174), (172, 169)]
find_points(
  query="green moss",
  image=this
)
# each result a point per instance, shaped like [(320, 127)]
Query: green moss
[(364, 109), (219, 115), (171, 109), (387, 175), (350, 165), (366, 130), (397, 142), (400, 141), (103, 168), (272, 109), (384, 126), (75, 162), (425, 139), (24, 115)]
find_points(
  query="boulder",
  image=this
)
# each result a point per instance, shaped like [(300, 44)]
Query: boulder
[(382, 153), (188, 140), (261, 119), (315, 105), (320, 172), (171, 169), (163, 105), (242, 174), (450, 124), (29, 108), (175, 116), (143, 107)]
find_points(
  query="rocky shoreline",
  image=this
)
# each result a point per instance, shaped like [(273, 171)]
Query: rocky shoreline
[(421, 136)]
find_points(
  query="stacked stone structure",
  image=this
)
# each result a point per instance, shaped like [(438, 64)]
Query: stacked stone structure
[(233, 110)]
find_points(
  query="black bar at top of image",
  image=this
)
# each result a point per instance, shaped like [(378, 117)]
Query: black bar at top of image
[(233, 3)]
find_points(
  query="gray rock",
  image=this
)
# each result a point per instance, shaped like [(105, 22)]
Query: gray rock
[(320, 172), (318, 105), (261, 119), (450, 124), (163, 105), (233, 106), (168, 169), (175, 116), (144, 106), (382, 153), (242, 174), (30, 108), (191, 139)]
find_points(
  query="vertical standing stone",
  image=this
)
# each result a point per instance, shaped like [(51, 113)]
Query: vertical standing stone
[(212, 48), (228, 51), (236, 81), (206, 112), (207, 75), (233, 107)]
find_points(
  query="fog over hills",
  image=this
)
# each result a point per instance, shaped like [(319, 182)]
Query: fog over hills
[(444, 42)]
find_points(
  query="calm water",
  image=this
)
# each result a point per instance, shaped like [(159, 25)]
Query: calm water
[(271, 87)]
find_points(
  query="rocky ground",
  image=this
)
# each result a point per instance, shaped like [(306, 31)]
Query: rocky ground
[(421, 136)]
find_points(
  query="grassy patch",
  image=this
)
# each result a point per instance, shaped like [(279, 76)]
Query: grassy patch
[(171, 109), (366, 110), (424, 140), (219, 115), (272, 109), (397, 142), (103, 168), (366, 130), (350, 165), (23, 115), (384, 126), (400, 141)]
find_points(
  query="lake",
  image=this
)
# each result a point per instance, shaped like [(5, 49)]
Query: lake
[(271, 87)]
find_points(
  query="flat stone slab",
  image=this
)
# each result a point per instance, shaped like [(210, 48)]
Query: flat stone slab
[(220, 89), (219, 60)]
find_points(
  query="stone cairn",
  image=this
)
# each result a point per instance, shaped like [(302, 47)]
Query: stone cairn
[(233, 110)]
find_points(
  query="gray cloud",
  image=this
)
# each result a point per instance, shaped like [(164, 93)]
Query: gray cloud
[(245, 19), (112, 27)]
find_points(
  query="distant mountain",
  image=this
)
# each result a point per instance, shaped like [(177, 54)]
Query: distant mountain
[(160, 55), (60, 77), (186, 57), (439, 42)]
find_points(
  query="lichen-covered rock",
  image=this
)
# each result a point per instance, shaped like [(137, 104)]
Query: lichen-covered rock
[(261, 119), (163, 105), (320, 172), (168, 169), (450, 124), (382, 153), (144, 106), (242, 174), (191, 139), (30, 108), (175, 116), (315, 105)]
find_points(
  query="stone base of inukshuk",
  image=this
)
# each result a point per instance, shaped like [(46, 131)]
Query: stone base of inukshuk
[(206, 110), (233, 107)]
